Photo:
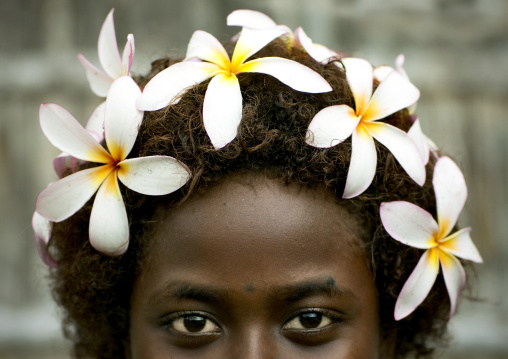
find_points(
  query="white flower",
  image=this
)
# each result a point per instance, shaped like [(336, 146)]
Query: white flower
[(334, 124), (222, 108), (153, 175), (412, 225)]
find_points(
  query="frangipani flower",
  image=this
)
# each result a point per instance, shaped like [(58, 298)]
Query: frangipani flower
[(114, 65), (256, 20), (318, 52), (154, 175), (425, 145), (42, 231), (334, 124), (381, 72), (222, 107), (411, 225)]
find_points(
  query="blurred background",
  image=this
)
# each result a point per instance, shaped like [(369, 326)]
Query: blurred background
[(456, 54)]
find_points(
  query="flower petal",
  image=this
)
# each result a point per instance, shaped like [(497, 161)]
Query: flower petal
[(122, 121), (63, 198), (206, 47), (98, 80), (222, 109), (409, 224), (418, 285), (382, 72), (108, 48), (128, 55), (169, 83), (109, 226), (454, 276), (251, 41), (67, 134), (42, 230), (331, 126), (95, 124), (399, 63), (295, 75), (250, 18), (461, 245), (451, 193), (420, 140), (61, 163), (154, 175), (392, 94), (359, 76), (318, 52), (402, 148), (362, 167)]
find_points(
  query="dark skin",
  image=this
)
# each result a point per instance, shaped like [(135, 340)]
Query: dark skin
[(255, 269)]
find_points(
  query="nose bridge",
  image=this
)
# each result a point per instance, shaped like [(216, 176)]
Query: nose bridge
[(255, 341)]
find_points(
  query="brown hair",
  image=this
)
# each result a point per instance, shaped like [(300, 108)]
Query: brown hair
[(95, 289)]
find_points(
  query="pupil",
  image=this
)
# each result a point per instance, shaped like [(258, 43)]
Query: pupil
[(194, 323), (311, 320)]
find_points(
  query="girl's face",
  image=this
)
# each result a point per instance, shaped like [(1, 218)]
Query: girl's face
[(255, 269)]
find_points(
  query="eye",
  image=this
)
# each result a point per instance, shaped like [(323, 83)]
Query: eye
[(193, 323), (310, 320)]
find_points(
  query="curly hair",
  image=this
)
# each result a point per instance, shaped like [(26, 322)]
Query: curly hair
[(95, 289)]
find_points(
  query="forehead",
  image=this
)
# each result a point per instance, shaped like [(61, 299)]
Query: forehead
[(251, 222)]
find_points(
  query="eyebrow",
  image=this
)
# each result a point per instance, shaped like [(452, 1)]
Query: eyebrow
[(183, 290), (180, 290), (296, 292)]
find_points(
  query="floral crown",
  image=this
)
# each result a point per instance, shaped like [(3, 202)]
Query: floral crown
[(116, 122)]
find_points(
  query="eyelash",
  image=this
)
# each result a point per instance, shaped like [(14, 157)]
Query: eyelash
[(170, 320), (323, 314), (333, 317)]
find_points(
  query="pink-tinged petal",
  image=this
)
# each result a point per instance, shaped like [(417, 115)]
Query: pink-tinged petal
[(295, 75), (206, 47), (122, 119), (109, 56), (128, 54), (109, 226), (65, 162), (362, 167), (164, 88), (402, 147), (331, 126), (250, 18), (393, 94), (409, 224), (95, 124), (153, 175), (318, 52), (98, 80), (251, 41), (359, 76), (416, 134), (454, 276), (42, 231), (461, 245), (61, 163), (418, 285), (222, 109), (67, 134), (63, 198), (451, 193)]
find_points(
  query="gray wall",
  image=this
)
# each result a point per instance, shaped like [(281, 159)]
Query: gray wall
[(456, 53)]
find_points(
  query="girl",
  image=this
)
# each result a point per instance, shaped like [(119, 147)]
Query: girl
[(277, 201)]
